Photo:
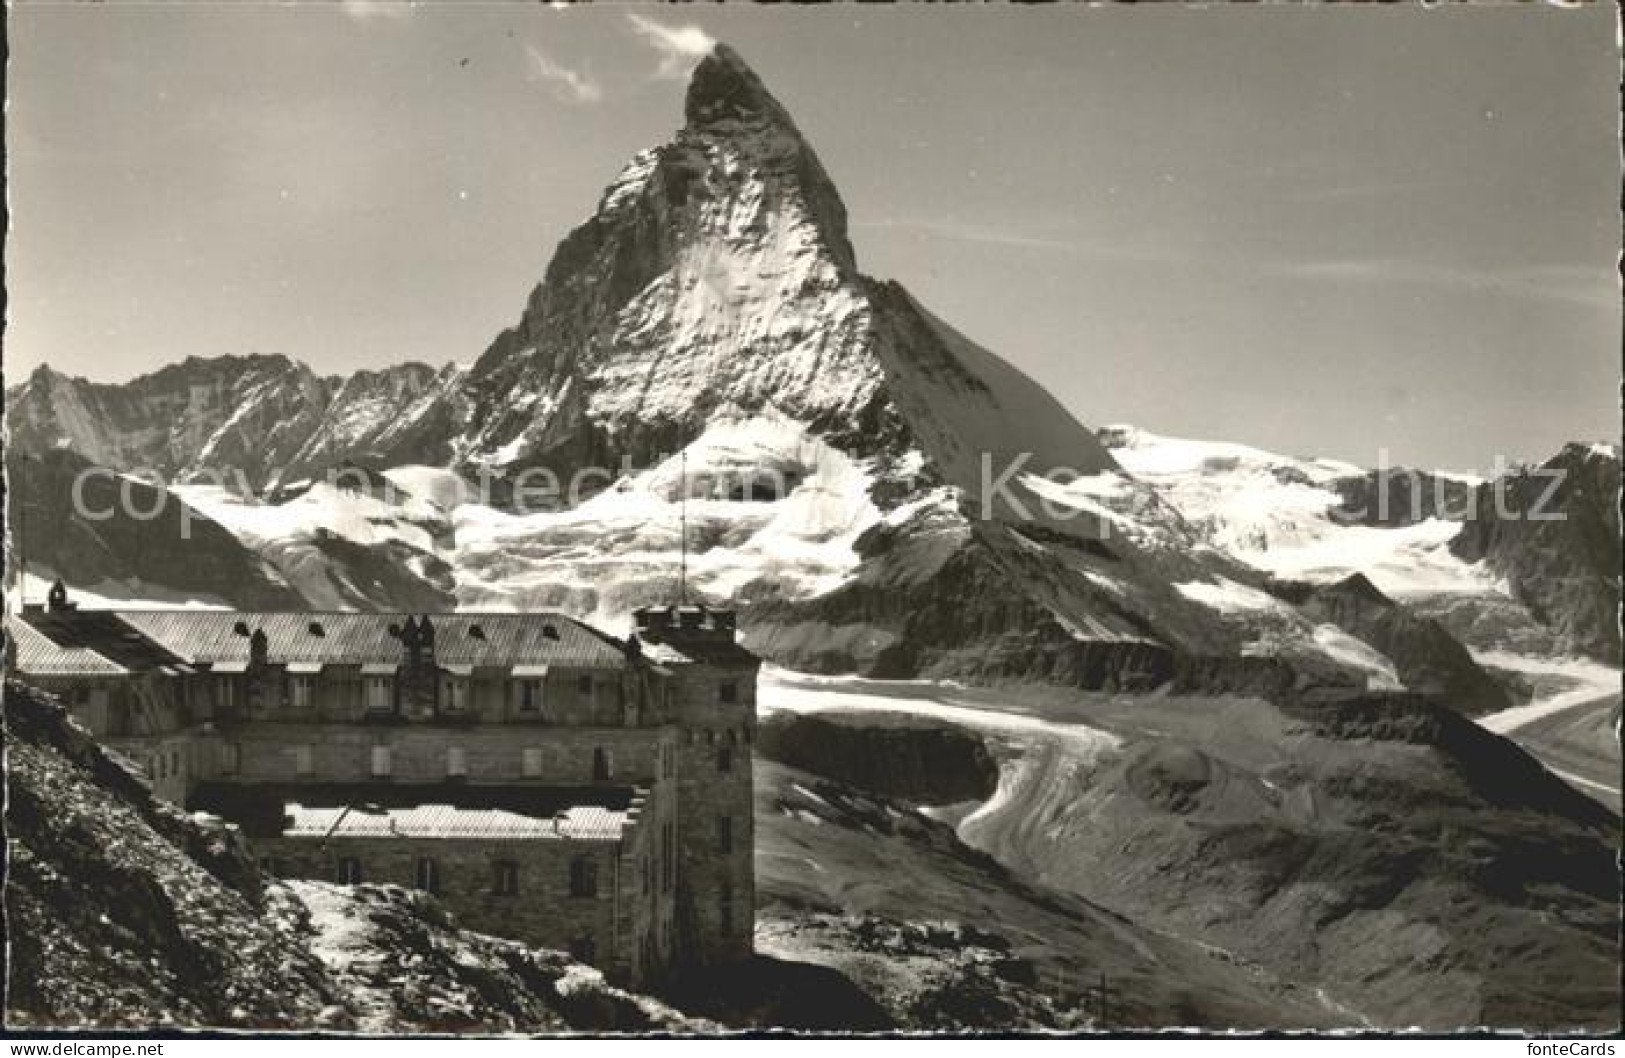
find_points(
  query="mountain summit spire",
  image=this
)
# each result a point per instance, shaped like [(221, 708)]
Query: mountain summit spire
[(725, 87)]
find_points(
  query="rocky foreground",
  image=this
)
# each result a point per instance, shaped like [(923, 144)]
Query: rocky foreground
[(125, 913)]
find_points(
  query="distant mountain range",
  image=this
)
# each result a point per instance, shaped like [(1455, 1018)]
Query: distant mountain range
[(875, 491)]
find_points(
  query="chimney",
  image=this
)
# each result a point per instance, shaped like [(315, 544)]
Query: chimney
[(57, 598), (259, 649)]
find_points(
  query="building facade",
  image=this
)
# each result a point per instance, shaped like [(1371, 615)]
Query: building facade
[(547, 781)]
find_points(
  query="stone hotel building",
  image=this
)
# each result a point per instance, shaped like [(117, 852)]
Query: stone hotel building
[(548, 782)]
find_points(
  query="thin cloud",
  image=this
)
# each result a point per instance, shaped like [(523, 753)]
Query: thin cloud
[(679, 46), (1567, 284), (572, 86), (370, 10), (987, 235)]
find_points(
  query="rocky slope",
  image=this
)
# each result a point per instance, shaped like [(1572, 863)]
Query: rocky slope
[(1396, 860), (122, 912), (126, 539), (1553, 533), (939, 936)]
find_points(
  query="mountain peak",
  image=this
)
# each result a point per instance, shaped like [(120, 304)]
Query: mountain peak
[(724, 87)]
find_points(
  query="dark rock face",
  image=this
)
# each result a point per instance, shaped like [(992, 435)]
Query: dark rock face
[(1554, 533), (1400, 497), (926, 765), (177, 550), (1426, 657), (972, 618)]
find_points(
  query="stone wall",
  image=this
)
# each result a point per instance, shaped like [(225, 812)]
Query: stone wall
[(716, 900), (617, 928), (564, 696), (491, 754)]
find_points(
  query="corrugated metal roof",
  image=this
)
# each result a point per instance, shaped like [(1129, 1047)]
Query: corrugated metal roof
[(476, 639), (575, 823), (103, 632), (37, 655)]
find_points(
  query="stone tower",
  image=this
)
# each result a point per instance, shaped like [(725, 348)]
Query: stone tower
[(713, 705)]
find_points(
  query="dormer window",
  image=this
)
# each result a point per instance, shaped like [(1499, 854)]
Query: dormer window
[(316, 629)]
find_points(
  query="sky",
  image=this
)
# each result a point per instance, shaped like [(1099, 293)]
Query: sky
[(1364, 233)]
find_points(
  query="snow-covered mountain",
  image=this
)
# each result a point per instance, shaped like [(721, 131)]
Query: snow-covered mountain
[(729, 408), (1528, 563), (261, 417)]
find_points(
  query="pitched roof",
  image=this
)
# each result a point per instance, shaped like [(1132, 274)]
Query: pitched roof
[(39, 655), (573, 823), (495, 639)]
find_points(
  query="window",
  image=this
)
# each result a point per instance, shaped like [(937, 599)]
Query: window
[(504, 877), (175, 762), (584, 686), (302, 763), (231, 758), (668, 842), (428, 875), (725, 834), (380, 762), (530, 696), (532, 762), (348, 871), (600, 764), (299, 692), (456, 762), (583, 877), (728, 692), (725, 758), (379, 698), (456, 695)]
